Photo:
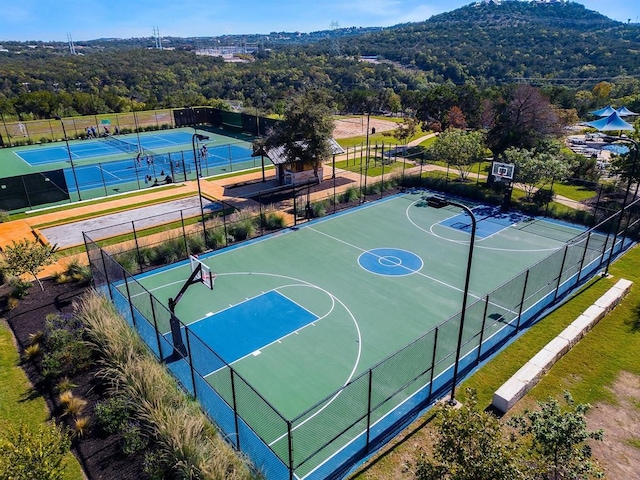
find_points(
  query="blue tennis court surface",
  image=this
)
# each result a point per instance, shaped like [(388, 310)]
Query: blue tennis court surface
[(245, 328), (490, 220), (101, 148)]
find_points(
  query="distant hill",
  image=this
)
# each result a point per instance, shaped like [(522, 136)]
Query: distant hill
[(507, 41)]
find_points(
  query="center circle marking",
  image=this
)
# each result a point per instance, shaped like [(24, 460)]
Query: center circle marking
[(392, 262)]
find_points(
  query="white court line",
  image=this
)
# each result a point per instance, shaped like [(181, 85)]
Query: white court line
[(109, 173), (294, 332), (433, 279)]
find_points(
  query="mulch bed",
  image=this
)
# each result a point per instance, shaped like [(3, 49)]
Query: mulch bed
[(99, 455)]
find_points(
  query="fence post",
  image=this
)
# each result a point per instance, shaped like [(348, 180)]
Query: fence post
[(261, 219), (433, 364), (224, 225), (106, 272), (584, 255), (290, 448), (155, 326), (369, 410), (184, 235), (235, 407), (191, 368), (133, 315), (564, 257), (382, 163), (135, 238), (484, 322), (524, 293)]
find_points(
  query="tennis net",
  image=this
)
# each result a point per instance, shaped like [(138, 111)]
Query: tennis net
[(120, 144)]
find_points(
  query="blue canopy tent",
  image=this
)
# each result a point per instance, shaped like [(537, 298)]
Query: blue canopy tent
[(604, 112), (625, 112), (611, 123)]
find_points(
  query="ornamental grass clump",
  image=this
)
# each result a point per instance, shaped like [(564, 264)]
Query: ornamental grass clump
[(170, 427)]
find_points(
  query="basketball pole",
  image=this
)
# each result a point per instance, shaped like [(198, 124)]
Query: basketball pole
[(440, 202)]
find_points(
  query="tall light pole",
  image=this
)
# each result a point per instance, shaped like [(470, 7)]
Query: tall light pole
[(196, 136), (632, 174), (73, 168), (439, 202)]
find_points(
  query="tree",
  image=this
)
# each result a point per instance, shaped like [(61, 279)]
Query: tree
[(556, 440), (25, 454), (534, 169), (469, 445), (305, 132), (30, 257), (460, 149), (524, 119), (405, 130)]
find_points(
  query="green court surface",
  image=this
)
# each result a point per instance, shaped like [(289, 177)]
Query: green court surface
[(300, 314)]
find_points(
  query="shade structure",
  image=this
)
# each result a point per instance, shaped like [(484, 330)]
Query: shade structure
[(611, 123), (625, 112), (604, 112)]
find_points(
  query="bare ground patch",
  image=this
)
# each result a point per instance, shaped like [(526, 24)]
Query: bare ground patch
[(619, 458), (355, 126)]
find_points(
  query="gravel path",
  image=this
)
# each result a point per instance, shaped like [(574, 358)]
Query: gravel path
[(70, 234)]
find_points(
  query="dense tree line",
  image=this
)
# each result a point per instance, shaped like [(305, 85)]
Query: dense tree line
[(461, 59)]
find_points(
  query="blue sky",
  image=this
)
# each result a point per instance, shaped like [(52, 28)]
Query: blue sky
[(49, 20)]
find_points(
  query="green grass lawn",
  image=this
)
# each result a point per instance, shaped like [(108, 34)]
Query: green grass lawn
[(374, 169), (574, 192), (18, 403), (594, 363)]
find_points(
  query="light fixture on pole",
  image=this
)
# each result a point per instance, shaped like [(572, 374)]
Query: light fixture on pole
[(73, 168), (196, 136), (439, 202), (632, 174)]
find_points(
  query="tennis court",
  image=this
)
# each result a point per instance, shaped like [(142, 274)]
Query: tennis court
[(102, 166), (323, 337)]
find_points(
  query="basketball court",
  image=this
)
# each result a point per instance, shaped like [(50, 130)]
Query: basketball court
[(293, 329)]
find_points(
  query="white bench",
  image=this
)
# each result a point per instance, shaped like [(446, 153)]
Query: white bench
[(526, 378)]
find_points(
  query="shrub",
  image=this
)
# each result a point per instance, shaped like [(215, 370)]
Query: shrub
[(4, 216), (319, 209), (36, 337), (133, 439), (128, 260), (32, 352), (274, 221), (215, 237), (65, 384), (66, 351), (169, 251), (112, 414), (19, 288), (26, 454), (155, 465), (75, 406), (81, 425), (243, 227), (196, 244), (78, 272), (65, 397), (351, 194), (191, 446)]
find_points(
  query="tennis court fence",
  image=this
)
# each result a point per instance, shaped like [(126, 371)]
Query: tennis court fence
[(389, 396)]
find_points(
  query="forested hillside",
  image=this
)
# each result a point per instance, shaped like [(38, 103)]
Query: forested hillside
[(499, 43), (565, 48)]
